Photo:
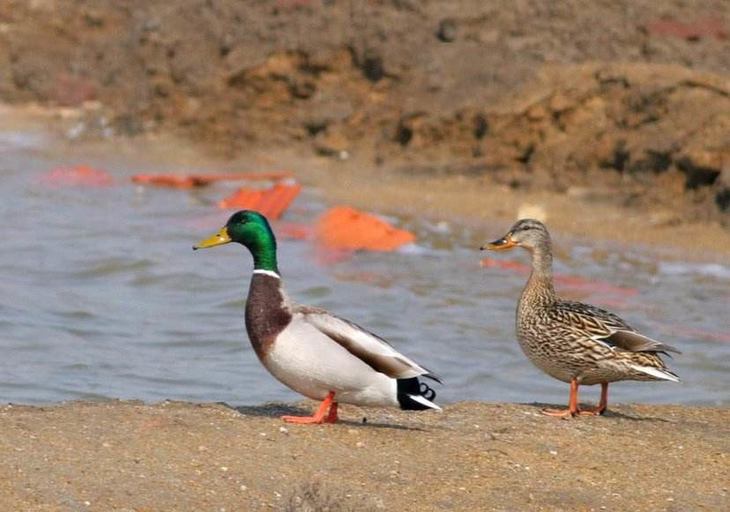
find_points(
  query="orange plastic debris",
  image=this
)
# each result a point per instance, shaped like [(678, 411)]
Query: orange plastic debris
[(293, 231), (168, 180), (201, 180), (579, 283), (505, 264), (575, 283), (80, 176), (272, 202), (343, 227)]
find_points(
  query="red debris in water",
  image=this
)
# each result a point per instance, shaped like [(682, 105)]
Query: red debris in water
[(505, 264), (294, 231), (575, 283), (690, 31), (168, 180), (579, 283), (271, 202), (343, 227), (201, 180), (77, 176)]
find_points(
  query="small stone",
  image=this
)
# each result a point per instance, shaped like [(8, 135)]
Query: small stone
[(537, 113), (283, 430), (559, 103), (447, 30), (333, 144)]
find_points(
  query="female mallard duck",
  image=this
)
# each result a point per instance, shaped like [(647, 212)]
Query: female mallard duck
[(571, 341), (315, 353)]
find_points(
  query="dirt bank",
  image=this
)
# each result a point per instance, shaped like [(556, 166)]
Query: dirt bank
[(473, 456), (627, 100)]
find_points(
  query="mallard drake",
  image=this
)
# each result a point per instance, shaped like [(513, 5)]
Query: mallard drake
[(571, 341), (313, 352)]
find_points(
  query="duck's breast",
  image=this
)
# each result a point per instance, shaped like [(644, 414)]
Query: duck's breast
[(311, 363)]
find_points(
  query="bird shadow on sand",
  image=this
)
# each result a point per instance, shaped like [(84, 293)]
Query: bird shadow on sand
[(610, 413), (275, 410)]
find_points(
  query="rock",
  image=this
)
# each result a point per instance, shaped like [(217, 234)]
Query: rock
[(697, 174), (722, 199), (446, 31), (331, 144), (372, 65)]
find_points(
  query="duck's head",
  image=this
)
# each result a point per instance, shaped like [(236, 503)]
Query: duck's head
[(246, 227), (527, 233)]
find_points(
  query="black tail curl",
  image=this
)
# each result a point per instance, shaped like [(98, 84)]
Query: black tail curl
[(408, 388)]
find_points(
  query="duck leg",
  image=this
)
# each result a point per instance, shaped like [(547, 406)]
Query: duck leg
[(328, 407), (572, 409), (332, 416), (602, 405)]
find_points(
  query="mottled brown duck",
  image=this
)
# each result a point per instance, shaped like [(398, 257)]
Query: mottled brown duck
[(571, 341)]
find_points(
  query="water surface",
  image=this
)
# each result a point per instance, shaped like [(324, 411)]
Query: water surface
[(102, 297)]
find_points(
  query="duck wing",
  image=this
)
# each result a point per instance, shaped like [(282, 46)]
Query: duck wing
[(606, 328), (368, 347)]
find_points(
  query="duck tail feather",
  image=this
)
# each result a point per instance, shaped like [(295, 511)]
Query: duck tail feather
[(658, 373), (414, 395)]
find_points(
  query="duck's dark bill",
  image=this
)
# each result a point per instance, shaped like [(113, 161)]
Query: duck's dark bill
[(220, 238), (501, 244)]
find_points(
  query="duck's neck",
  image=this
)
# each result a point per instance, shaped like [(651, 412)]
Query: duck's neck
[(268, 311), (264, 256), (539, 289)]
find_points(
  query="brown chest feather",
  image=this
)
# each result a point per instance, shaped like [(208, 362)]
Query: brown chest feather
[(266, 313)]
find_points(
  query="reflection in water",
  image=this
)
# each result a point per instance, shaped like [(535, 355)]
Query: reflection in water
[(103, 297)]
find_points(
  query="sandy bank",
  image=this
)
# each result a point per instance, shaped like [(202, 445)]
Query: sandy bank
[(473, 456)]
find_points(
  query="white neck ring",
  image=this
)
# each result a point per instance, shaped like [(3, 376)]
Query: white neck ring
[(269, 273)]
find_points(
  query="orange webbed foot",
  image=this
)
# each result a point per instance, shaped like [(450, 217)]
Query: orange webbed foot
[(558, 413), (596, 411), (326, 413), (303, 420)]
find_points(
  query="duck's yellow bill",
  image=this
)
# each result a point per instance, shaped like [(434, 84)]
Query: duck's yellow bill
[(500, 245), (220, 238)]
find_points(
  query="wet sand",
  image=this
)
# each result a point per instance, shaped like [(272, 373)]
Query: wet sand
[(473, 456)]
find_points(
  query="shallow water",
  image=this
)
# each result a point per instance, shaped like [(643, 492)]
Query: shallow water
[(102, 296)]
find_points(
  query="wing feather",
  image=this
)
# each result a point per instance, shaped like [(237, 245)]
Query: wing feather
[(607, 329), (370, 348)]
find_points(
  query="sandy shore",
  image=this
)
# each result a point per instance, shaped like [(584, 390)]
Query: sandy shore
[(474, 456)]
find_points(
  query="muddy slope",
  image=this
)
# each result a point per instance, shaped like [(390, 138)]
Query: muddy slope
[(626, 96)]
